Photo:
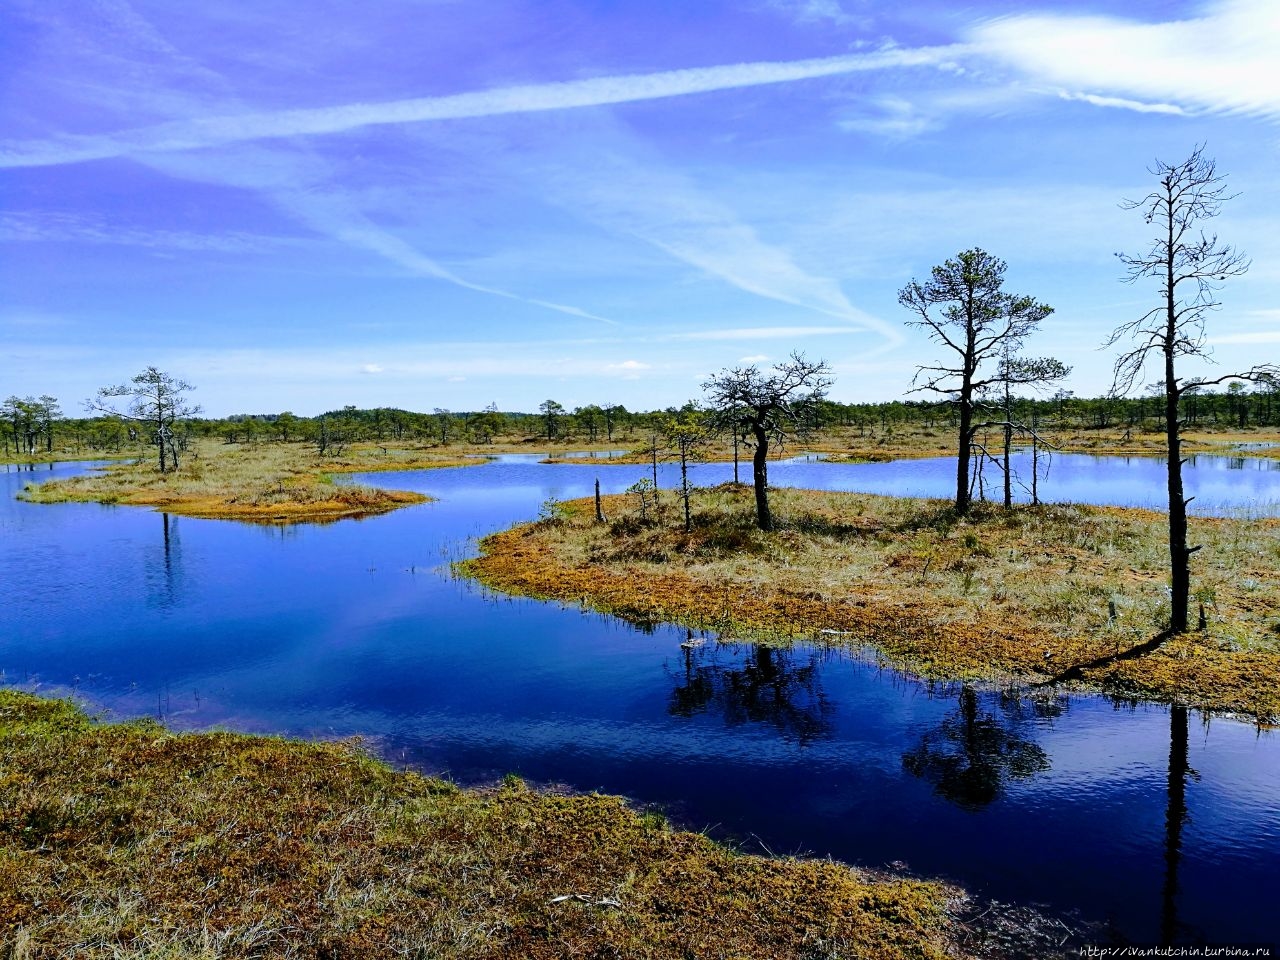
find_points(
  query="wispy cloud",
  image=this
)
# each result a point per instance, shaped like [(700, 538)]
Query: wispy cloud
[(64, 228), (625, 187), (1222, 61), (211, 131), (1122, 103), (816, 11), (334, 217), (762, 333), (298, 181), (1258, 336)]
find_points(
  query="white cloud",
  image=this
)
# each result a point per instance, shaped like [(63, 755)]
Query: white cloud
[(371, 368), (754, 358), (1123, 104), (628, 365), (210, 131), (1223, 61)]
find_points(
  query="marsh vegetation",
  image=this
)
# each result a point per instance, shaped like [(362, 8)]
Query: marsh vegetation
[(1024, 595)]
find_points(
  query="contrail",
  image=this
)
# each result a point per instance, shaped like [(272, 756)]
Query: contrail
[(628, 88)]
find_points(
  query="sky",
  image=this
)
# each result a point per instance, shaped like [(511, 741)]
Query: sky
[(452, 203)]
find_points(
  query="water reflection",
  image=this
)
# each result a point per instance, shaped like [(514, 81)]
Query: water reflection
[(778, 687), (1174, 820), (164, 572), (972, 753), (356, 628)]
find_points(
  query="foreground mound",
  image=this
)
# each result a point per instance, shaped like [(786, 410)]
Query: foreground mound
[(127, 841)]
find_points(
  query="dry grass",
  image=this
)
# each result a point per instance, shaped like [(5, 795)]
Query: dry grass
[(1022, 595), (128, 841), (262, 483), (914, 441)]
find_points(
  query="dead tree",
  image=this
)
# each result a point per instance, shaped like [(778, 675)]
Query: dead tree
[(1189, 267)]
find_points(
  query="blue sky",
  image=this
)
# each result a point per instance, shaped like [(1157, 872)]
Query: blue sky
[(427, 203)]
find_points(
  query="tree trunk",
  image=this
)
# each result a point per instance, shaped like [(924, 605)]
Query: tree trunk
[(1179, 552), (160, 445), (760, 478), (962, 455), (1174, 818), (1035, 465), (684, 488), (1008, 446)]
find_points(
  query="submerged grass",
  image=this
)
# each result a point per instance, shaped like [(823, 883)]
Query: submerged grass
[(129, 841), (262, 483), (1021, 595)]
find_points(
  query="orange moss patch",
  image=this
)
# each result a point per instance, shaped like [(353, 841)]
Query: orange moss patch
[(348, 503), (259, 483)]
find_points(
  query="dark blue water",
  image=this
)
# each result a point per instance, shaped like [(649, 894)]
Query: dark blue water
[(1138, 816)]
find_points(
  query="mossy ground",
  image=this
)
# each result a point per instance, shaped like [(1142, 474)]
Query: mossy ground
[(129, 841), (1020, 595), (261, 483)]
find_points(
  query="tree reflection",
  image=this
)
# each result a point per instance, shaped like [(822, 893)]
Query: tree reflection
[(1174, 818), (779, 687), (973, 753), (165, 577)]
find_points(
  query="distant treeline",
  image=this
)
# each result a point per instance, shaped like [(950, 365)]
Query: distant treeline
[(33, 427)]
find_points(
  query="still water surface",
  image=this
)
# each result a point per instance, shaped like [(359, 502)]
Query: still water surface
[(1155, 822)]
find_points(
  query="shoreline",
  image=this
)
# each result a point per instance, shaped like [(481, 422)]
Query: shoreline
[(317, 846), (992, 598), (261, 484)]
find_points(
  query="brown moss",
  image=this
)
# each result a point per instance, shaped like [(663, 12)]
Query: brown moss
[(131, 841)]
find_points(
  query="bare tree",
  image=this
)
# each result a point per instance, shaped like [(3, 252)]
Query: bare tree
[(964, 308), (770, 408), (1189, 266), (156, 399)]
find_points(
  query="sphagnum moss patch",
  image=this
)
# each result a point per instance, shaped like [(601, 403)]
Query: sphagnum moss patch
[(130, 841), (1022, 595)]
